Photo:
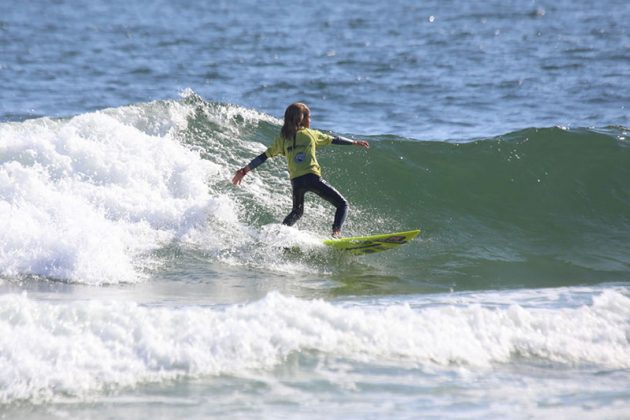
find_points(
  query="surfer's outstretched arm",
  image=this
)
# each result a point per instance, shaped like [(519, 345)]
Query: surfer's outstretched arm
[(345, 141), (240, 174)]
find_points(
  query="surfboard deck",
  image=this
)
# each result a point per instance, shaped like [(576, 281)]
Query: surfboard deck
[(361, 245)]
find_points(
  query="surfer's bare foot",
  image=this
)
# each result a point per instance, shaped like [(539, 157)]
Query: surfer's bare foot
[(336, 234)]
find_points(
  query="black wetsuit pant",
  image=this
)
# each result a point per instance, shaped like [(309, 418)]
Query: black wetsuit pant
[(311, 182)]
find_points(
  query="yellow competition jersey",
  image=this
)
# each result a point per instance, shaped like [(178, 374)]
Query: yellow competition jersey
[(301, 157)]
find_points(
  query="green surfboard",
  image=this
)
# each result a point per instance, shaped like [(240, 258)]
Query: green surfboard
[(360, 245)]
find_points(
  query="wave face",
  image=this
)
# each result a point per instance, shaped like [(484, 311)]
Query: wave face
[(99, 197), (539, 205)]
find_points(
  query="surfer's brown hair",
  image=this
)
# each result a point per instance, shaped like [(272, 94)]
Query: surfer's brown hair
[(294, 117)]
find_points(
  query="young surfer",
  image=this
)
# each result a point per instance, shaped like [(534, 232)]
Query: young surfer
[(298, 143)]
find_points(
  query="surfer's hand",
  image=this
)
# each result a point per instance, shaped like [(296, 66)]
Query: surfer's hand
[(362, 143), (239, 175)]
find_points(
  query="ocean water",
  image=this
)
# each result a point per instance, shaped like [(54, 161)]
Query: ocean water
[(135, 280)]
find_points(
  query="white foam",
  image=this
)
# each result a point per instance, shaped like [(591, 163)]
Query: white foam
[(51, 350), (86, 199)]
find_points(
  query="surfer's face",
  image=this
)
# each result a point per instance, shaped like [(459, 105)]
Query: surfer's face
[(306, 121)]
